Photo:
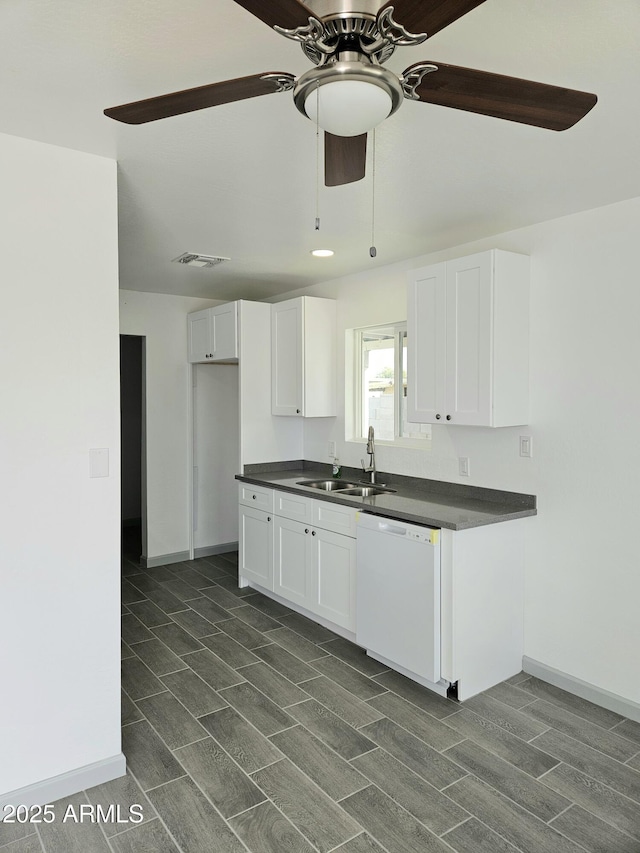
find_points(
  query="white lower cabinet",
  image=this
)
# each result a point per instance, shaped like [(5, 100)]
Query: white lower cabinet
[(287, 552), (333, 573), (292, 559), (316, 569), (256, 535), (256, 546)]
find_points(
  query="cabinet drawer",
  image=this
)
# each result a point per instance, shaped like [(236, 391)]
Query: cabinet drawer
[(338, 519), (292, 506), (256, 496)]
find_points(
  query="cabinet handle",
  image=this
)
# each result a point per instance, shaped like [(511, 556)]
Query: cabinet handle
[(448, 417), (437, 417), (306, 530), (313, 533), (268, 518), (254, 497), (297, 411)]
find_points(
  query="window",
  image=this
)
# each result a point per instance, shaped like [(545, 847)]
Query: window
[(380, 386)]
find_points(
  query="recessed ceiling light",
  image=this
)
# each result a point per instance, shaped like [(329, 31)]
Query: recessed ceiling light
[(322, 253)]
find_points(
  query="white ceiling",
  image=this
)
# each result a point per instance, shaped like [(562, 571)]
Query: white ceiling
[(240, 180)]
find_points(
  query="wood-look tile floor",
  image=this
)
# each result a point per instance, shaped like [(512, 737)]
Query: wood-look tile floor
[(248, 727)]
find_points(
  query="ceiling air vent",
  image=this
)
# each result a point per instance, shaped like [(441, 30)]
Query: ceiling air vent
[(205, 262)]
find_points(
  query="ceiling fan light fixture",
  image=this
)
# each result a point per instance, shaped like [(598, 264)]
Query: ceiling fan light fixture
[(348, 107), (348, 98)]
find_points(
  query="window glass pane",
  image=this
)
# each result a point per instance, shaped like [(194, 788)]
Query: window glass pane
[(378, 361), (380, 397)]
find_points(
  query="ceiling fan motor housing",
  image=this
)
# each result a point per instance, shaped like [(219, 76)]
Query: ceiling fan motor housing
[(344, 8)]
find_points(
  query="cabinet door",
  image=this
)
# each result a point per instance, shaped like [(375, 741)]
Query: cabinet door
[(334, 578), (256, 546), (426, 347), (224, 331), (468, 357), (199, 336), (319, 341), (292, 561), (286, 358)]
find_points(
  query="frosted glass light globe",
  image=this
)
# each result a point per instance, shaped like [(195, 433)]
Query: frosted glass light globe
[(348, 107)]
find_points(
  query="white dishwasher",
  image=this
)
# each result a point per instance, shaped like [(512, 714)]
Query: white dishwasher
[(398, 596)]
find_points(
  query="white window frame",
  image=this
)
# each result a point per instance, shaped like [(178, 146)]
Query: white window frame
[(355, 392)]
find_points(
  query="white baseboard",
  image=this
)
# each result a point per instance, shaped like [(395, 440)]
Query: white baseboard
[(164, 559), (212, 550), (181, 556), (50, 790), (625, 707)]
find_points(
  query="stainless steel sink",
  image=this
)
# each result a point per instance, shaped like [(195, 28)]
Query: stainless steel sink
[(328, 485), (346, 487), (365, 491)]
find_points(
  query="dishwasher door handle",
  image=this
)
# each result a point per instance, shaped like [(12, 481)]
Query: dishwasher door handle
[(383, 527)]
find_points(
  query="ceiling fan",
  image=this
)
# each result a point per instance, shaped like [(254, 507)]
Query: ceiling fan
[(349, 92)]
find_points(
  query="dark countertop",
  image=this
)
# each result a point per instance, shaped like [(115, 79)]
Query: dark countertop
[(430, 502)]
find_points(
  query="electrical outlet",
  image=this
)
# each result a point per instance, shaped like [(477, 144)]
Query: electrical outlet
[(526, 446), (332, 450), (464, 468)]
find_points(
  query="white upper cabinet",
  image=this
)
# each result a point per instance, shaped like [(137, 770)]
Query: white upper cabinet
[(213, 334), (303, 357), (199, 335), (224, 325), (468, 341), (426, 345)]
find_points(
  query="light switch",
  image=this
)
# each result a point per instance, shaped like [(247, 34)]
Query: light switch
[(99, 462), (526, 446)]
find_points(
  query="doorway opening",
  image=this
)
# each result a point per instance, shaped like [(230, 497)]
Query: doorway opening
[(133, 475)]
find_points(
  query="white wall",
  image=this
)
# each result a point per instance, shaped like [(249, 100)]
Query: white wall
[(162, 319), (583, 583), (59, 530), (216, 454)]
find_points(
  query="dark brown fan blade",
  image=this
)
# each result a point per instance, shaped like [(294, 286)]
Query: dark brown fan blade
[(189, 100), (283, 13), (509, 98), (344, 159), (430, 16)]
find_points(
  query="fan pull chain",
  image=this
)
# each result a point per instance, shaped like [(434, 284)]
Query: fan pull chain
[(317, 158), (373, 251)]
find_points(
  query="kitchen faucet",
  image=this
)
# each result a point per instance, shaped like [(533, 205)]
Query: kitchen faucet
[(371, 468)]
